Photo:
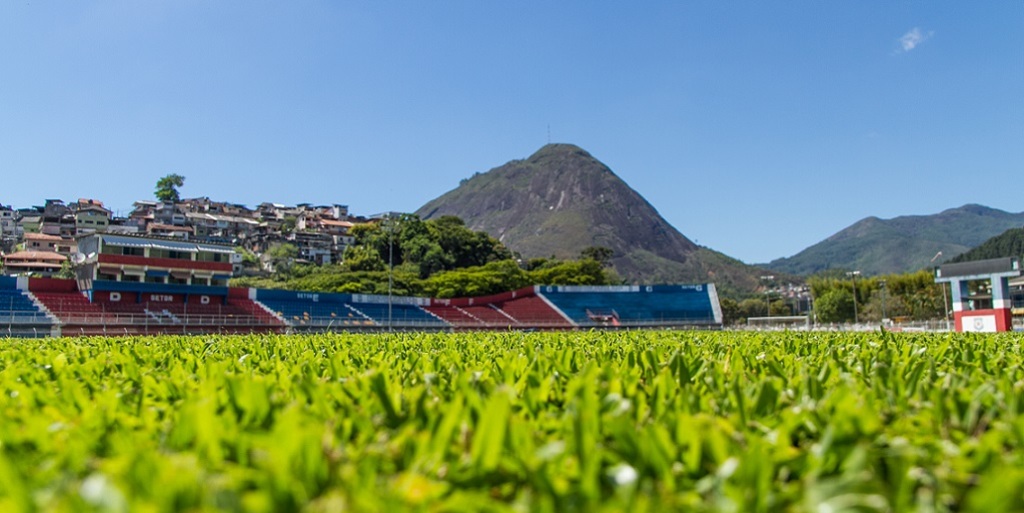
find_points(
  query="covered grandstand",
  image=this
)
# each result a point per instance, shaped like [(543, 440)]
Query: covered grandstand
[(132, 285), (150, 308), (54, 307)]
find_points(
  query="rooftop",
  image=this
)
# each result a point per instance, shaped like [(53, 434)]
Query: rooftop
[(35, 255), (42, 237)]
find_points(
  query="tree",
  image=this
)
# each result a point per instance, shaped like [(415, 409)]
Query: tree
[(167, 188), (288, 224), (730, 311), (427, 247), (363, 258), (600, 254), (751, 307), (779, 308), (282, 256), (836, 305), (66, 272), (577, 272), (491, 278), (249, 259)]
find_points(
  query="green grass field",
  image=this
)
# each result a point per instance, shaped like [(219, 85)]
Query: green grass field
[(609, 421)]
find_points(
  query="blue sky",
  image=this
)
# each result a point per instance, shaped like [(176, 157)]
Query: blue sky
[(755, 128)]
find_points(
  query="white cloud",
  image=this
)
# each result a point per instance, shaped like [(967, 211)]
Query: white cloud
[(912, 39)]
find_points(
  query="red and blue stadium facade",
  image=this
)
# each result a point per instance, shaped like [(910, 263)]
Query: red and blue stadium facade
[(54, 307), (134, 286)]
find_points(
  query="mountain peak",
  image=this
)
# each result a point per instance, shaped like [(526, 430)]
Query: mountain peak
[(562, 200), (559, 148), (974, 208)]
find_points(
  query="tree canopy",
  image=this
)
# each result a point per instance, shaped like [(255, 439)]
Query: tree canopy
[(167, 188), (438, 258), (424, 247), (911, 295)]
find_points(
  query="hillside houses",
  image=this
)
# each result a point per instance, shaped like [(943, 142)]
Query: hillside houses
[(10, 230), (39, 239)]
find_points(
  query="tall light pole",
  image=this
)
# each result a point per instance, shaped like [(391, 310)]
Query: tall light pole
[(881, 283), (853, 275), (767, 292), (945, 305), (391, 264), (945, 300)]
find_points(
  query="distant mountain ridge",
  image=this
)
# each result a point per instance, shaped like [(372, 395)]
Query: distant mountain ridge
[(562, 200), (901, 244)]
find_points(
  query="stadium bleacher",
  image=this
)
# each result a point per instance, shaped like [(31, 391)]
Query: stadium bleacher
[(322, 310), (519, 309), (173, 309), (79, 315), (455, 316), (490, 315), (19, 314), (635, 305), (536, 312), (400, 315), (304, 309)]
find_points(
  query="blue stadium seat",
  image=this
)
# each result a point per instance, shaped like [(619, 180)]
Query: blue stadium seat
[(637, 305), (17, 308), (324, 309), (401, 314)]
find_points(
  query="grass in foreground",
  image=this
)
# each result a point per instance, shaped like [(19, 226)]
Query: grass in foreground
[(514, 422)]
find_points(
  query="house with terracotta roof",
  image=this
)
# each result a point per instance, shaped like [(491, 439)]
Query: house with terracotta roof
[(44, 242), (41, 242), (33, 263)]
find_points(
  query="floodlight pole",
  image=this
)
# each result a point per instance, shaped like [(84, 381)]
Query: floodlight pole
[(881, 283), (945, 304), (853, 275), (767, 293), (391, 264)]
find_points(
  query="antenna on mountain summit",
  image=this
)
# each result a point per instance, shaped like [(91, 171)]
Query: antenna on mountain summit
[(549, 133)]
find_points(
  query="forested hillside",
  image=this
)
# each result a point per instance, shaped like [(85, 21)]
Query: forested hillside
[(1007, 244)]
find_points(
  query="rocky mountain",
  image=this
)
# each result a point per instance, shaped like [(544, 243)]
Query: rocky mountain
[(561, 200), (901, 244)]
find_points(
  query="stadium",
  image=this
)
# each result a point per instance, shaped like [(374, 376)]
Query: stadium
[(128, 285)]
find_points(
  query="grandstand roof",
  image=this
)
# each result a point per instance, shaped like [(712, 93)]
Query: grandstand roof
[(168, 244)]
